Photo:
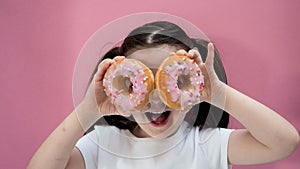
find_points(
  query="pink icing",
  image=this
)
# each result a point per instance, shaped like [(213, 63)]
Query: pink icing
[(134, 71), (188, 67)]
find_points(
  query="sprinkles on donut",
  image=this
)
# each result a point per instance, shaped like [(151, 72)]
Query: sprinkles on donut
[(128, 82), (179, 81)]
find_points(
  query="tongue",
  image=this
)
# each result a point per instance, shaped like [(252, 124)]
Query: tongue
[(158, 117)]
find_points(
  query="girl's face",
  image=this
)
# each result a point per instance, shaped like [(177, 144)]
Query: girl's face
[(172, 119)]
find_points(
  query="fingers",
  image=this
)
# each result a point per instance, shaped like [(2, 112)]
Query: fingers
[(119, 58), (194, 54), (172, 53), (181, 52), (102, 67), (210, 55)]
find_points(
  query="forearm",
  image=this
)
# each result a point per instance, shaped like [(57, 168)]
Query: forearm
[(264, 124), (55, 152)]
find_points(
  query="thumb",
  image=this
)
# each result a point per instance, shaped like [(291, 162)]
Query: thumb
[(210, 55), (102, 67)]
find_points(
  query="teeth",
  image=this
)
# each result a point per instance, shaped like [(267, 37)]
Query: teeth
[(157, 112)]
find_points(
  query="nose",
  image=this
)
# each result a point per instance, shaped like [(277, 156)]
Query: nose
[(155, 104)]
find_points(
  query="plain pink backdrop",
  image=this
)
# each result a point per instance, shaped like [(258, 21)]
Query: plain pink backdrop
[(40, 42)]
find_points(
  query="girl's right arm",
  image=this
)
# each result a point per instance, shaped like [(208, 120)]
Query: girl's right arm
[(58, 151)]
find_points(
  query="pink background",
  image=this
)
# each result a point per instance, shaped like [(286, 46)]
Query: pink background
[(40, 42)]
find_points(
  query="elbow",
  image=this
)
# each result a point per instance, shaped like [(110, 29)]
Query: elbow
[(295, 142), (290, 144)]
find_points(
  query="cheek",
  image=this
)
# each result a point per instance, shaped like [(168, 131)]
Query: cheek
[(140, 117), (178, 116)]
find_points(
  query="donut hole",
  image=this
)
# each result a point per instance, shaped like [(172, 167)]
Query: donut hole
[(123, 83), (183, 82)]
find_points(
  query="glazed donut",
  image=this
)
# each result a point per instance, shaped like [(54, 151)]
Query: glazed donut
[(179, 81), (128, 82)]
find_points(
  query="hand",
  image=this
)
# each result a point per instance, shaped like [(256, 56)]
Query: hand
[(96, 99), (213, 87)]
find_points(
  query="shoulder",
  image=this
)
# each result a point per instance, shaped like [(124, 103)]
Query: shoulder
[(213, 135), (214, 143), (90, 144)]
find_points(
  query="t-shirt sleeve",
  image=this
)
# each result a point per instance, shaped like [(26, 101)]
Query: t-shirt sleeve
[(215, 142), (88, 147)]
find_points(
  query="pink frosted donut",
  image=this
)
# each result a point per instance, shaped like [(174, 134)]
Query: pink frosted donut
[(179, 81), (128, 82)]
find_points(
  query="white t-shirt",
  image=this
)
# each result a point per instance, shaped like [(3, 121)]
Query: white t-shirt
[(108, 147)]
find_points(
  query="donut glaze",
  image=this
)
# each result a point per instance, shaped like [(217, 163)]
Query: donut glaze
[(179, 81), (128, 82)]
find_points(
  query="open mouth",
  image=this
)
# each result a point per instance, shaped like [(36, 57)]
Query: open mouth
[(158, 118)]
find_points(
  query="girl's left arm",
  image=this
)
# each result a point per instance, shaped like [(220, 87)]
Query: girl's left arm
[(267, 137)]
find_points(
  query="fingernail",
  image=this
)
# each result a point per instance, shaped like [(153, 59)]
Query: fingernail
[(191, 53)]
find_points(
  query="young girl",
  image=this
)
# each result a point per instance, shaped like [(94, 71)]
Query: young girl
[(132, 141)]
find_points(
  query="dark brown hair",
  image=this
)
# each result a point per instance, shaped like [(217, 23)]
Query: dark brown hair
[(163, 32)]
